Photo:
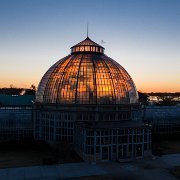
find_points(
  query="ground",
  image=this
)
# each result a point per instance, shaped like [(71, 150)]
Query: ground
[(21, 154), (22, 158), (147, 169), (176, 171), (28, 163), (168, 147), (33, 153)]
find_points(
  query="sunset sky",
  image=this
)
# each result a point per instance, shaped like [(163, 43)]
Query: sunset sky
[(141, 35)]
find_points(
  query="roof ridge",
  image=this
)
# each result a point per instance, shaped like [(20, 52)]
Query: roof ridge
[(87, 42)]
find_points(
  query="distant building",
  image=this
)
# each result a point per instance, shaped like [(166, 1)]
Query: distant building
[(164, 119), (88, 100), (16, 117)]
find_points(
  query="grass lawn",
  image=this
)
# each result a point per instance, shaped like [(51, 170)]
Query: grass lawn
[(176, 172), (31, 153), (22, 158), (168, 147)]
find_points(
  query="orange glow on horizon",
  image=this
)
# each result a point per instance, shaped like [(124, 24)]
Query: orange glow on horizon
[(151, 87)]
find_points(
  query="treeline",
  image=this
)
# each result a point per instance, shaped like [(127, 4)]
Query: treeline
[(161, 99), (176, 94), (17, 91)]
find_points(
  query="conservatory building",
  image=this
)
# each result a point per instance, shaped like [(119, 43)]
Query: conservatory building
[(88, 100)]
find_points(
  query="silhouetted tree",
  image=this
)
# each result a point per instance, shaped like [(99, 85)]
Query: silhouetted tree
[(11, 91), (33, 87), (143, 98), (30, 92), (166, 99)]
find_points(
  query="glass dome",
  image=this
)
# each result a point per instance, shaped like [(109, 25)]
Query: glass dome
[(87, 76)]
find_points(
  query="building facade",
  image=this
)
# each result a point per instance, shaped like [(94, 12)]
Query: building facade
[(16, 117), (86, 93), (164, 119), (112, 141)]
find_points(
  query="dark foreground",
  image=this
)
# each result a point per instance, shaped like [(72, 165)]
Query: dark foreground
[(34, 160), (149, 169)]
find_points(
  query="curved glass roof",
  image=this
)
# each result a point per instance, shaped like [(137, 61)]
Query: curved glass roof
[(86, 78)]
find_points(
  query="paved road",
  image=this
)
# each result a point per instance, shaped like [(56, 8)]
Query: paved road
[(60, 171), (172, 159), (151, 169)]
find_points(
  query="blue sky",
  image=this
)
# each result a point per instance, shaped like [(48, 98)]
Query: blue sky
[(142, 35)]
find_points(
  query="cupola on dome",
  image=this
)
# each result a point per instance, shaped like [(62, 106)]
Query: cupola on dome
[(86, 76), (87, 46)]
